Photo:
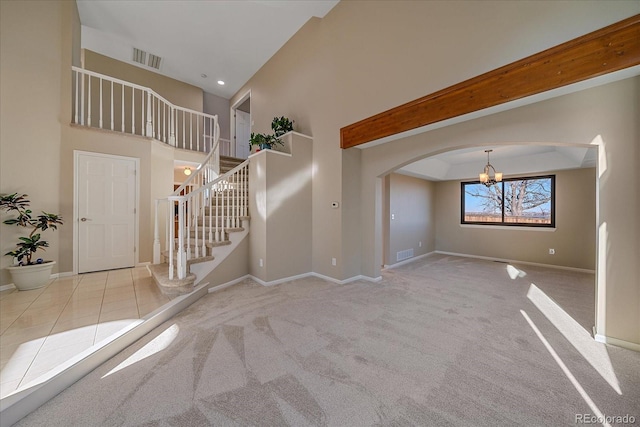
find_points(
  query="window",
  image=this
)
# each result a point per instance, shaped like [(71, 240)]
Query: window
[(514, 201)]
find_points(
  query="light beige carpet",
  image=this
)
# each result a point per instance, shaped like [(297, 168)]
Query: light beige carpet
[(441, 341)]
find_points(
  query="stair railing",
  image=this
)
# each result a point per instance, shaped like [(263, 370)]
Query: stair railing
[(204, 217), (104, 102)]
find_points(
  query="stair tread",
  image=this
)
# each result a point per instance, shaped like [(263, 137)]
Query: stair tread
[(171, 287)]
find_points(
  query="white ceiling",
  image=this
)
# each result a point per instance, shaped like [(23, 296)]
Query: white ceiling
[(226, 40), (510, 160)]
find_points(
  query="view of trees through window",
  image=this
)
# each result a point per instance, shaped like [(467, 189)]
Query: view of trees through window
[(514, 201)]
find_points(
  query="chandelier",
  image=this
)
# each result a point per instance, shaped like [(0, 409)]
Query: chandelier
[(485, 178)]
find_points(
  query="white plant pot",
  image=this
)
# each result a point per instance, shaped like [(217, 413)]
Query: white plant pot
[(26, 277)]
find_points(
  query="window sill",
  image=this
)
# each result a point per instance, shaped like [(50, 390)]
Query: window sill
[(509, 227)]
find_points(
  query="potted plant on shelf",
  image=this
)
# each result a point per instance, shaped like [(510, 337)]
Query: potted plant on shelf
[(29, 274), (281, 125), (263, 141)]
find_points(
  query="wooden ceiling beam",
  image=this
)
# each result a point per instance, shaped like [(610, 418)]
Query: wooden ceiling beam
[(604, 51)]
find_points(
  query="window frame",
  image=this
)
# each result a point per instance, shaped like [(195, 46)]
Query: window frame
[(502, 223)]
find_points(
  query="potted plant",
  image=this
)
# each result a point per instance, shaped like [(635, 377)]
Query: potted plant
[(29, 274), (281, 125), (263, 141)]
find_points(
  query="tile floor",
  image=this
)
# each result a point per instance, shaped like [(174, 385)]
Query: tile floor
[(42, 328)]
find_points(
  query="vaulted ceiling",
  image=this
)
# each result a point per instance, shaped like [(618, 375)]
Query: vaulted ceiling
[(223, 40)]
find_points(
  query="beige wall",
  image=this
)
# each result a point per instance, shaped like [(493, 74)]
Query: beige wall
[(574, 237), (234, 266), (177, 92), (35, 42), (217, 105), (280, 208), (411, 216)]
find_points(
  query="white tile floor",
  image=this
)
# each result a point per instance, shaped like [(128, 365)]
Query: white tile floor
[(42, 328)]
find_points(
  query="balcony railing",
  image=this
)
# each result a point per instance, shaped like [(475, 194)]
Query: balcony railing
[(105, 102)]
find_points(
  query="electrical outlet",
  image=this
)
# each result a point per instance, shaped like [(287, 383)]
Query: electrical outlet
[(333, 261), (261, 263), (419, 244), (393, 216), (552, 251)]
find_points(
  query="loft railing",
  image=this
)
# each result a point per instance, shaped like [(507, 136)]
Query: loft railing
[(202, 217), (105, 102)]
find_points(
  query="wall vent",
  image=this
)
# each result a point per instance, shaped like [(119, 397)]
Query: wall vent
[(139, 56), (406, 254), (154, 61)]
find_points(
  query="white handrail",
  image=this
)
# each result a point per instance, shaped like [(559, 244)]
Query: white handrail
[(204, 173), (130, 103)]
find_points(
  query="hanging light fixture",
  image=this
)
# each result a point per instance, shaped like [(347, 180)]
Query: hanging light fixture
[(485, 178), (187, 171)]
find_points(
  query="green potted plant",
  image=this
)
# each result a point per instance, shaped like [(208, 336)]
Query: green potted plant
[(263, 141), (281, 125), (29, 274)]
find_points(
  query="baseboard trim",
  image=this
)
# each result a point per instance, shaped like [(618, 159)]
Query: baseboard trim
[(313, 274), (407, 261), (617, 342), (349, 280), (10, 286), (231, 283), (24, 401), (63, 274), (515, 261)]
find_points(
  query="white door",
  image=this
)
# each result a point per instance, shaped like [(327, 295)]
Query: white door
[(243, 127), (106, 212)]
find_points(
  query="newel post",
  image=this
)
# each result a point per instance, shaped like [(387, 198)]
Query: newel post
[(156, 236)]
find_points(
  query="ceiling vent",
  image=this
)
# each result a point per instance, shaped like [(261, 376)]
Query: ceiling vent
[(139, 56), (154, 61)]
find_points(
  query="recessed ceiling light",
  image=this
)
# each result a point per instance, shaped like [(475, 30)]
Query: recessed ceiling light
[(203, 75), (220, 82)]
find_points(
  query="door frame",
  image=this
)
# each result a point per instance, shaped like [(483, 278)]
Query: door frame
[(232, 127), (76, 219)]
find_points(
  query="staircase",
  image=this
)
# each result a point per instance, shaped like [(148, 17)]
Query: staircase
[(211, 214), (198, 225)]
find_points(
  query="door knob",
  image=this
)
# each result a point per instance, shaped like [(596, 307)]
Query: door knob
[(84, 219)]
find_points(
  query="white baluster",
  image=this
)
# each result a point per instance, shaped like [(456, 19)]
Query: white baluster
[(133, 110), (188, 233), (111, 105), (122, 112), (211, 192), (142, 116), (156, 236), (149, 115), (82, 100), (190, 131), (182, 255), (202, 215), (184, 145), (100, 119), (171, 238), (194, 201), (89, 104), (75, 115), (197, 133)]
